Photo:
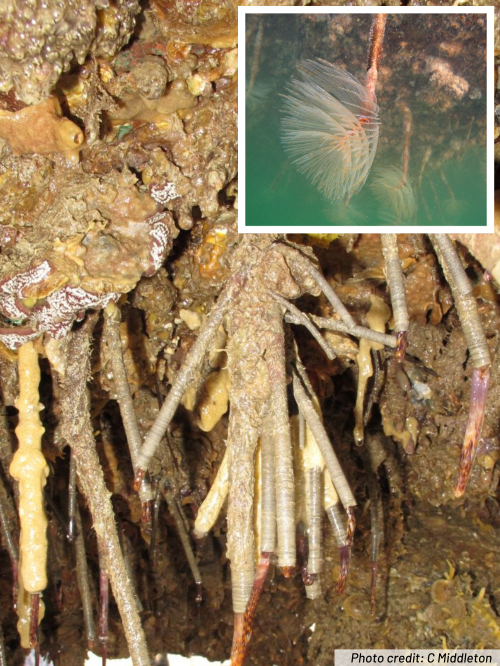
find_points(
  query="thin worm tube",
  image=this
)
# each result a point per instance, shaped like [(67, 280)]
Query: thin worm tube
[(436, 198), (395, 280), (295, 316), (72, 498), (285, 490), (82, 576), (183, 535), (478, 348), (11, 548), (447, 185), (376, 518), (356, 331), (112, 318), (268, 515), (303, 320), (301, 371), (180, 507), (302, 432), (425, 159), (9, 541), (339, 524), (154, 527), (307, 408), (314, 490), (185, 375), (3, 656), (75, 400), (375, 389), (256, 58), (103, 609), (406, 151), (464, 300), (330, 294), (128, 557)]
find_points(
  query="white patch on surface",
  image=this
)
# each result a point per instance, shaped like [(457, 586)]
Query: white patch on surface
[(16, 284), (162, 194), (159, 234), (64, 306), (15, 340)]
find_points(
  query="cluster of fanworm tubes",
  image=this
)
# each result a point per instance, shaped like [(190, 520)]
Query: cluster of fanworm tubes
[(325, 484), (279, 473)]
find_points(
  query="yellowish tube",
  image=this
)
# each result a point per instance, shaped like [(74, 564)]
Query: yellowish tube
[(30, 469)]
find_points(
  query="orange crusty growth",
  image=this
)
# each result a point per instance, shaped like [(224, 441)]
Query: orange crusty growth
[(41, 129)]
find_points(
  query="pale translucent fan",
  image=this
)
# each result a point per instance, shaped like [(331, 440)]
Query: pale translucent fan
[(393, 189), (330, 129)]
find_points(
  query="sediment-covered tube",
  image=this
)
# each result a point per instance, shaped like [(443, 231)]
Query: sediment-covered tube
[(464, 300), (395, 280), (307, 408)]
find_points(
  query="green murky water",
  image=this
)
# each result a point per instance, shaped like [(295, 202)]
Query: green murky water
[(420, 67)]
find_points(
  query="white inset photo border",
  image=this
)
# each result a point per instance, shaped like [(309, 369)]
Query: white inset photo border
[(436, 108)]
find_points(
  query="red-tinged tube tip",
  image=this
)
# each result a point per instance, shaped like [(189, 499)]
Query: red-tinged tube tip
[(402, 344), (139, 478), (308, 578), (238, 650), (477, 407), (345, 557), (146, 512)]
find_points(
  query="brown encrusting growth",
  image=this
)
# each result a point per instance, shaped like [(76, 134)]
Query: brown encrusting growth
[(41, 129)]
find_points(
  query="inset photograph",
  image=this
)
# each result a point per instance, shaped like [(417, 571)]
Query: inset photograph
[(365, 120)]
